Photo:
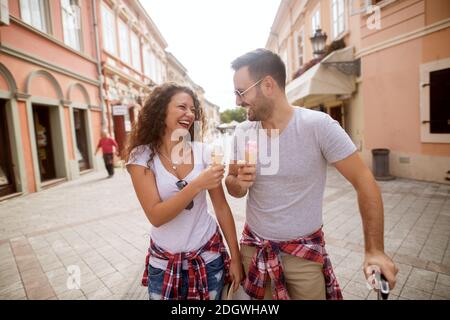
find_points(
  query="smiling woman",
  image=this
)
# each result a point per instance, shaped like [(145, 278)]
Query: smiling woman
[(170, 179), (170, 106)]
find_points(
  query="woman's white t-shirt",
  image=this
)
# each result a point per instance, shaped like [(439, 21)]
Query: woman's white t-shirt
[(191, 229)]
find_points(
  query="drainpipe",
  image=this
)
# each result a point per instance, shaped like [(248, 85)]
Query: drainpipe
[(99, 66)]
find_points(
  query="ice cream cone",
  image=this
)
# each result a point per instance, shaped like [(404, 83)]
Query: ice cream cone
[(217, 155), (251, 152)]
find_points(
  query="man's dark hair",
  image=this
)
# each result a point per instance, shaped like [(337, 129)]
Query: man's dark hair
[(261, 63)]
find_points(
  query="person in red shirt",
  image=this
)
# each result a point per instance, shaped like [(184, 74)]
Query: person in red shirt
[(108, 144)]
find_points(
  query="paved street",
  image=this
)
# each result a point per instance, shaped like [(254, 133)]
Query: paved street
[(96, 225)]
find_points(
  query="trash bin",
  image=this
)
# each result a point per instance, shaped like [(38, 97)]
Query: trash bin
[(380, 164)]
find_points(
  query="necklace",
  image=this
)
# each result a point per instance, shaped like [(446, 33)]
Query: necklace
[(174, 165)]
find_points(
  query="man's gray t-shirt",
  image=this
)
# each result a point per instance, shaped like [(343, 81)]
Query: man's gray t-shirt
[(287, 204)]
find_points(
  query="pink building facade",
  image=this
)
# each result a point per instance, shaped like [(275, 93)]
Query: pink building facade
[(393, 90), (133, 60), (50, 102)]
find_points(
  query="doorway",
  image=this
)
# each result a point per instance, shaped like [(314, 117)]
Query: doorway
[(44, 143), (7, 180), (82, 151), (336, 114)]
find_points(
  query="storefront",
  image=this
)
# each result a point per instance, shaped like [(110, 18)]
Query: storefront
[(124, 104), (49, 138), (43, 136), (122, 124), (7, 180), (13, 180), (81, 139)]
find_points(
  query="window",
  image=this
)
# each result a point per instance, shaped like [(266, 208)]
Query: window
[(435, 101), (153, 67), (440, 101), (315, 21), (124, 41), (159, 71), (135, 52), (147, 62), (4, 12), (358, 6), (34, 12), (338, 14), (71, 23), (300, 47), (284, 57), (109, 30)]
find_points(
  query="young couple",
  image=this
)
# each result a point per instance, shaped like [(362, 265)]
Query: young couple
[(282, 250)]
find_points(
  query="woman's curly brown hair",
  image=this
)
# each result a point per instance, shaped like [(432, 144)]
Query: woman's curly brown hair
[(150, 126)]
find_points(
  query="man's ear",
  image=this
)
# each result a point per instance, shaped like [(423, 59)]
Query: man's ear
[(268, 86)]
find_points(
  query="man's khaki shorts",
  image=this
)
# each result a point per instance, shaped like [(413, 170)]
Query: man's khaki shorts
[(304, 278)]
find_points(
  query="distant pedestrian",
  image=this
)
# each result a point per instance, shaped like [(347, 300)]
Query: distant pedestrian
[(108, 144)]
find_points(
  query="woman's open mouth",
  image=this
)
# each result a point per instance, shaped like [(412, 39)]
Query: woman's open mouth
[(184, 123)]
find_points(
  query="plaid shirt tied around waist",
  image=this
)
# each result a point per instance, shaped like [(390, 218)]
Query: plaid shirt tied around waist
[(198, 284), (266, 263)]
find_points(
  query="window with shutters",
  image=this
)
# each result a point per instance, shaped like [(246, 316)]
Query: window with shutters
[(435, 101)]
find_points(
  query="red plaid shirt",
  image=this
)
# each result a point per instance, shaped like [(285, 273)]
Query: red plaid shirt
[(266, 264), (198, 284)]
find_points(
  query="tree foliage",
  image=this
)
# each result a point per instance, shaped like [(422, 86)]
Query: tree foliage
[(237, 114)]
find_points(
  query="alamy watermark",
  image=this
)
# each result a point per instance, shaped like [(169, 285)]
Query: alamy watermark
[(73, 281)]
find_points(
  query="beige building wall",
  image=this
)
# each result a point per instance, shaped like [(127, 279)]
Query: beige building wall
[(412, 34), (212, 116), (176, 72), (389, 104)]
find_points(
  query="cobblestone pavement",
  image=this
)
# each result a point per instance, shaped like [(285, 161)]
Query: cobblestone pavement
[(96, 226)]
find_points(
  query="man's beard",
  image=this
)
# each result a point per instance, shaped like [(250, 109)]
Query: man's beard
[(261, 111)]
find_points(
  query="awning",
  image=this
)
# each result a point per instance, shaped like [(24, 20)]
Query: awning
[(323, 80)]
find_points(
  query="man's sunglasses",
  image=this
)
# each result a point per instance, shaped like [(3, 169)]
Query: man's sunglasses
[(241, 94), (180, 185)]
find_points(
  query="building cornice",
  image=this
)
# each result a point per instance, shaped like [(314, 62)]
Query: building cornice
[(45, 64), (21, 96), (153, 28), (50, 38), (421, 32), (175, 62), (282, 10), (121, 74)]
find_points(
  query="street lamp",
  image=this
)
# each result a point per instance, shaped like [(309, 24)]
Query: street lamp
[(318, 42), (348, 67)]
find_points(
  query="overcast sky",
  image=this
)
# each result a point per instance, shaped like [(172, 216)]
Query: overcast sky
[(206, 35)]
